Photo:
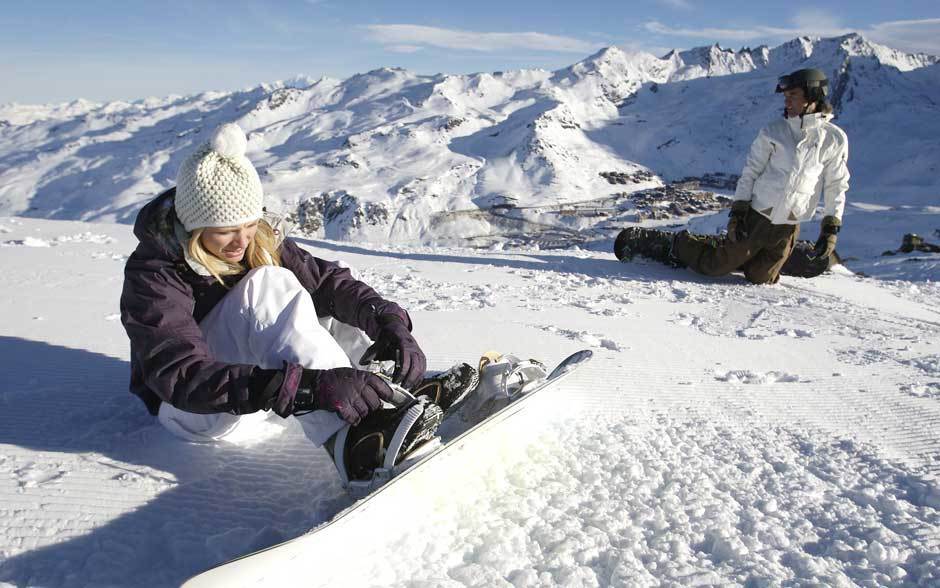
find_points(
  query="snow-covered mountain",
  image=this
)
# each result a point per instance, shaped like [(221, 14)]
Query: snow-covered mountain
[(881, 97), (392, 155)]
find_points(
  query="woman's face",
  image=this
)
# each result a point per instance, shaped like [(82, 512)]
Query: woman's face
[(229, 243)]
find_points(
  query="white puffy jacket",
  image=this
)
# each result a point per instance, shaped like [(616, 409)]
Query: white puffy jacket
[(791, 162)]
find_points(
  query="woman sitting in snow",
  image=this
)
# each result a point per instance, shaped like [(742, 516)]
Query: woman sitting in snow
[(229, 322)]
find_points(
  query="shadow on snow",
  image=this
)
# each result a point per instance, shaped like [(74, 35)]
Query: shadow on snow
[(217, 501)]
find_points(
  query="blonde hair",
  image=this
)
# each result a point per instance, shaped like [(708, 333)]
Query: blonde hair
[(261, 250)]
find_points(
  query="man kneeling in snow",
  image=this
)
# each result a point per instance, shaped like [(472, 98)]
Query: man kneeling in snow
[(790, 163)]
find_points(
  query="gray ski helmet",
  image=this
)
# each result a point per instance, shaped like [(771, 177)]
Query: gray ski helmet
[(813, 81)]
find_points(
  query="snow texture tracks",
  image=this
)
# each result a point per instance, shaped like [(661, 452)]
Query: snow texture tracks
[(726, 440), (723, 433)]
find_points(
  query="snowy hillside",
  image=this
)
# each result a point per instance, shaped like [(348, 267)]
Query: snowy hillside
[(723, 434), (530, 155)]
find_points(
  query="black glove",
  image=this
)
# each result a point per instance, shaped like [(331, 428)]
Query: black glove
[(828, 234), (737, 231), (395, 343), (349, 392)]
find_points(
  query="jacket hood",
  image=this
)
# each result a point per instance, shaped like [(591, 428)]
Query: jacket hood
[(806, 121), (798, 124), (155, 227)]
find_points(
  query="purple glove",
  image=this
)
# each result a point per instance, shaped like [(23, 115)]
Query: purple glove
[(349, 392), (395, 343)]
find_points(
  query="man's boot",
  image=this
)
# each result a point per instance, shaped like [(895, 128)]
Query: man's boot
[(650, 243)]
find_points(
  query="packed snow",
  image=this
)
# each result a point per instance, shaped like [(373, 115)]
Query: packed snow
[(707, 442), (723, 434)]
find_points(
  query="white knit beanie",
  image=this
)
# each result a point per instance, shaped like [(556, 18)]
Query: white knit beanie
[(217, 186)]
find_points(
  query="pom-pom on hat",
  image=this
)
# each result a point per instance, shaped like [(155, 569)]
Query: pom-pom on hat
[(217, 186)]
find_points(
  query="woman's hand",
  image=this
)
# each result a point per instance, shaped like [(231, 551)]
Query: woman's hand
[(395, 343), (349, 392)]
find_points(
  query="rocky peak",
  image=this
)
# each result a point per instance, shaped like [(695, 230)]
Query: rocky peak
[(603, 62), (711, 60), (760, 55), (616, 72), (791, 54), (702, 56), (609, 55), (855, 45)]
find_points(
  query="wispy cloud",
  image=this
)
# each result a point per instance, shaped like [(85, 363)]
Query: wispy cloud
[(412, 36), (680, 4), (921, 35), (908, 35), (818, 23), (404, 48), (742, 34)]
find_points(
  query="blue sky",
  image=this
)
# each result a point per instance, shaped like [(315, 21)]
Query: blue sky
[(53, 51)]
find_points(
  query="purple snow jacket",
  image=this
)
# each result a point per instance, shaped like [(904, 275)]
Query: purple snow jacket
[(164, 299)]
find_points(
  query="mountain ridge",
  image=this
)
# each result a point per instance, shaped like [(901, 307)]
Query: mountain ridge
[(420, 146)]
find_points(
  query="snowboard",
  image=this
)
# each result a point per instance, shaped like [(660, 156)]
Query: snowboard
[(302, 561)]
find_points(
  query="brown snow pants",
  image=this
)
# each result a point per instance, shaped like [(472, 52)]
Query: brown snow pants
[(761, 255)]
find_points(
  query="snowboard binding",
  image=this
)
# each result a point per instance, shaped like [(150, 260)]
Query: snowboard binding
[(391, 439), (503, 379), (369, 454)]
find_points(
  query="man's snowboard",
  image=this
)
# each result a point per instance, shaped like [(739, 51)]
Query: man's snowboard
[(303, 561)]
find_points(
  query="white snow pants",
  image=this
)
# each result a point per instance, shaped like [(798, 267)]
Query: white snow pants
[(266, 319)]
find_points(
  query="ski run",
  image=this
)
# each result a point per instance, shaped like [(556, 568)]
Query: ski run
[(723, 434)]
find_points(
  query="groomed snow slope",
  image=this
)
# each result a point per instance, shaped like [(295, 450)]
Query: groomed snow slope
[(724, 433)]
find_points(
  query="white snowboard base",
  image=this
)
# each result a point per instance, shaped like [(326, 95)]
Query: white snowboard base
[(319, 557)]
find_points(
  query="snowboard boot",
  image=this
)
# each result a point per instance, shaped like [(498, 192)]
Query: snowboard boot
[(503, 378), (449, 389), (650, 243), (366, 454)]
